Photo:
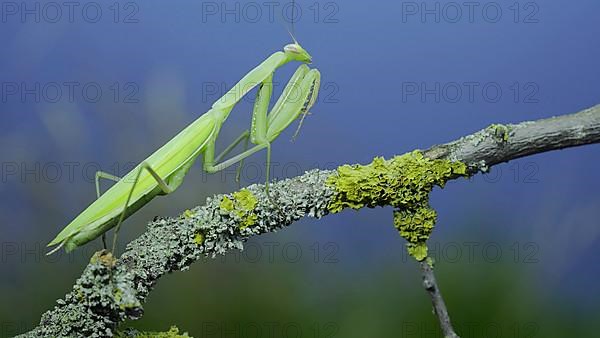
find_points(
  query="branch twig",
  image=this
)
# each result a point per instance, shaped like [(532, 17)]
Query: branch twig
[(95, 306), (439, 306)]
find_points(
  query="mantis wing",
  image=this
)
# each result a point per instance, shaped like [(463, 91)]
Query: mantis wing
[(171, 162)]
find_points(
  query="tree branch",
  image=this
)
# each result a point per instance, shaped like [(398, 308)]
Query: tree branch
[(109, 291)]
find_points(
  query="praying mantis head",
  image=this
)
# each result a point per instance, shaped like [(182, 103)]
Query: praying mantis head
[(295, 52)]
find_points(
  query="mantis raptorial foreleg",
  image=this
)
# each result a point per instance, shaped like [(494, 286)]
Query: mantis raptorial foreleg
[(106, 176), (267, 126), (259, 122)]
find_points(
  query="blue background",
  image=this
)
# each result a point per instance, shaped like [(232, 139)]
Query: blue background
[(532, 223)]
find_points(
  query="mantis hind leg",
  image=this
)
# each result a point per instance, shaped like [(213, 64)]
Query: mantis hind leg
[(164, 186), (106, 176), (243, 137)]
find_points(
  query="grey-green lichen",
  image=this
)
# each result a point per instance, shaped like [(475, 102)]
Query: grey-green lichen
[(99, 302), (101, 298), (403, 182), (172, 333)]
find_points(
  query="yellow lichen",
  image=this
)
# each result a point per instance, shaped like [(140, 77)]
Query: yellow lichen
[(188, 214), (226, 204), (245, 200), (403, 182), (242, 207), (198, 238)]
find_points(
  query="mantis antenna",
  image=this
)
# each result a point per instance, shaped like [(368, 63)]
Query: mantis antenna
[(293, 32), (284, 21), (305, 109)]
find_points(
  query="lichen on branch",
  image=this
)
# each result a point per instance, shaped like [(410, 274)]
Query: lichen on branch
[(240, 206), (403, 182)]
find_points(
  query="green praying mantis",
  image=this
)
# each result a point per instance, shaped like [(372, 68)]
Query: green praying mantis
[(163, 171)]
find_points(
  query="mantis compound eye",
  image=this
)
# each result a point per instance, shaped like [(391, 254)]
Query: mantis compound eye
[(291, 48)]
